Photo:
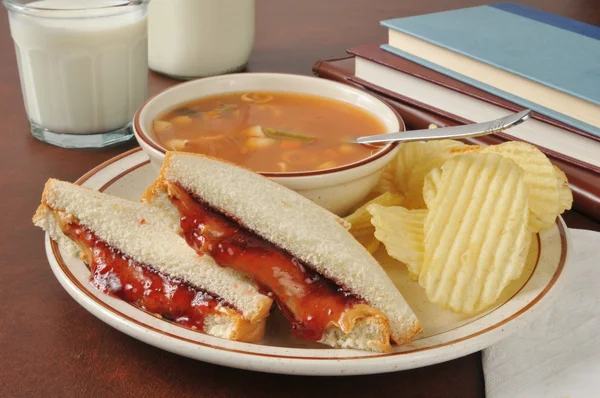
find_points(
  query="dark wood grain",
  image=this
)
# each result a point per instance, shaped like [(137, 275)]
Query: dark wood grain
[(51, 347)]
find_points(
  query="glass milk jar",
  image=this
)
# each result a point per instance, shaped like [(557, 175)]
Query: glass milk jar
[(195, 38), (83, 66)]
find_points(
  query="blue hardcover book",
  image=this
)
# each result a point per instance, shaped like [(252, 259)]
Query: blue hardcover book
[(539, 60)]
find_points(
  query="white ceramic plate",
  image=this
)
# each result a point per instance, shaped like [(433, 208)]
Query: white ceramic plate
[(446, 335)]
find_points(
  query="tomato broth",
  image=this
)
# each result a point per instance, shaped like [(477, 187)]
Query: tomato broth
[(269, 131)]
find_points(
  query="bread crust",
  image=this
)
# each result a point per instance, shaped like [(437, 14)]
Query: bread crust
[(150, 194), (237, 327)]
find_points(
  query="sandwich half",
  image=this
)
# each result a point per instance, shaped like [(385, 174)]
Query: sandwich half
[(327, 285), (134, 254)]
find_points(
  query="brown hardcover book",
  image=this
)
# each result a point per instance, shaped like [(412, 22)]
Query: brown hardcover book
[(583, 180)]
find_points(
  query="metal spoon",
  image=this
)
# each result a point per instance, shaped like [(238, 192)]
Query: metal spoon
[(469, 130)]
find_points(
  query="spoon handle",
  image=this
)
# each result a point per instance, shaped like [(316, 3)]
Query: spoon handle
[(468, 130)]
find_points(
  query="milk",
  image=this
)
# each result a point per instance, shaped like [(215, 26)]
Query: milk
[(81, 75), (195, 38)]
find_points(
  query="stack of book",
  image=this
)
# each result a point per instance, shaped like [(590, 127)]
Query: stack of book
[(481, 63)]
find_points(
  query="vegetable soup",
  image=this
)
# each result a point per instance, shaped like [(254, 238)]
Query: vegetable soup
[(269, 131)]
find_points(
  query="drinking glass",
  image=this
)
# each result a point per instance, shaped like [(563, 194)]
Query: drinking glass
[(83, 66)]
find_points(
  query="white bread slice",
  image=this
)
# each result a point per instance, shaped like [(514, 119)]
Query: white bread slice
[(118, 222), (297, 225)]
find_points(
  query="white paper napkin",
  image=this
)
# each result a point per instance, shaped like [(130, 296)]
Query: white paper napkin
[(558, 353)]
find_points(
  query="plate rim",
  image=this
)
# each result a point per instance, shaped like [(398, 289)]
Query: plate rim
[(422, 356)]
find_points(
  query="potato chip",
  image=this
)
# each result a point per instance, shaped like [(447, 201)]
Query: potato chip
[(412, 275), (360, 220), (361, 217), (461, 150), (387, 181), (475, 233), (565, 195), (430, 185), (401, 231), (540, 178), (529, 236), (369, 242), (413, 162)]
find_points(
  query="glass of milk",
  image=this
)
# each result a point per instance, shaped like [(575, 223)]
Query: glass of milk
[(188, 39), (83, 66)]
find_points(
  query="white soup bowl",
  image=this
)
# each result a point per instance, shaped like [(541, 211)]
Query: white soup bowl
[(337, 189)]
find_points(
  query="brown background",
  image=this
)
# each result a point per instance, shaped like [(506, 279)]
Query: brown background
[(51, 347)]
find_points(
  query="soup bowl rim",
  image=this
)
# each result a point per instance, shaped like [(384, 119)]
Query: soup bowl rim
[(145, 138)]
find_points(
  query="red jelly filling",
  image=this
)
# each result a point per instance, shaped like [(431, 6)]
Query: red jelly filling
[(142, 286), (309, 301)]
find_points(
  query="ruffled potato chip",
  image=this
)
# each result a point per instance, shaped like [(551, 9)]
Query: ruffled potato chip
[(360, 220), (476, 232), (462, 150), (540, 178), (565, 195), (414, 161), (401, 231), (369, 242), (387, 181), (431, 186)]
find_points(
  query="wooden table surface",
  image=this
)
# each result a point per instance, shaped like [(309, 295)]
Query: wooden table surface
[(51, 347)]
